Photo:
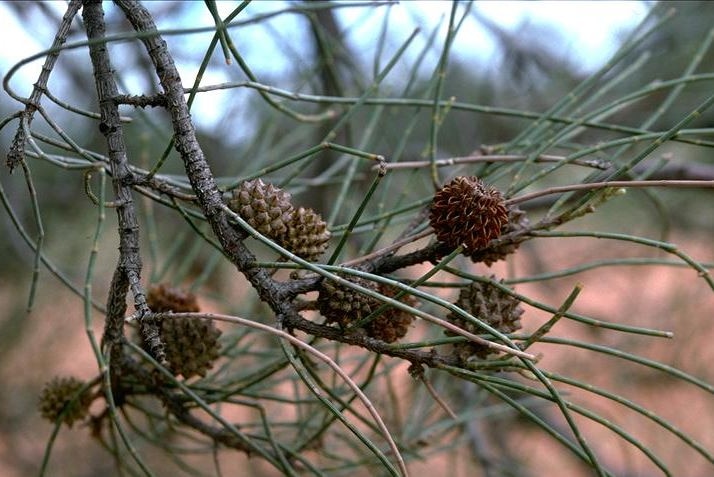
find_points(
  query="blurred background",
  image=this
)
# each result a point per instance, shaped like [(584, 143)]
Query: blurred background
[(508, 60)]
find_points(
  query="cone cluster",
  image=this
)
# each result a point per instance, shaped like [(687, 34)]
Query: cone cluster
[(269, 210), (468, 212), (344, 306), (57, 397), (489, 304), (191, 345)]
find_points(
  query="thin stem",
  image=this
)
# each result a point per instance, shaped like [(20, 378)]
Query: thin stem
[(437, 116), (128, 268), (40, 233), (492, 158), (16, 153), (609, 184), (547, 326), (666, 246)]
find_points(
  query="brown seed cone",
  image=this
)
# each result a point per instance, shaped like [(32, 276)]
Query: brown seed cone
[(467, 211), (306, 235), (162, 298), (265, 207), (394, 323), (490, 304), (517, 221), (191, 345), (56, 397), (342, 305)]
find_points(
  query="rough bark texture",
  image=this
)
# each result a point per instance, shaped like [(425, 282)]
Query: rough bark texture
[(128, 270), (17, 149)]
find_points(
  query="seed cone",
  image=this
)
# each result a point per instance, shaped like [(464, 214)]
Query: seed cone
[(489, 304), (57, 396), (306, 234), (191, 345), (517, 221), (342, 305), (162, 298), (393, 323), (467, 211), (265, 207)]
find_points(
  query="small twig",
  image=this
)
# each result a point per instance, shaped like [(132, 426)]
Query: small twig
[(390, 248), (452, 161), (605, 185), (437, 398), (88, 190), (16, 153), (141, 101), (547, 326)]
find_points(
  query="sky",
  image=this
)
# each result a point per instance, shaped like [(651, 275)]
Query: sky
[(588, 32), (590, 27)]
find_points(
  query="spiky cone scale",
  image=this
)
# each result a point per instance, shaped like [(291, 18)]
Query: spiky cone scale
[(343, 305), (265, 207), (57, 397), (162, 297), (306, 235), (467, 212), (491, 305), (517, 221), (393, 324), (191, 345)]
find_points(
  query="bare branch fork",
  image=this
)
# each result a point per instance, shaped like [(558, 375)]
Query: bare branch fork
[(16, 154)]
